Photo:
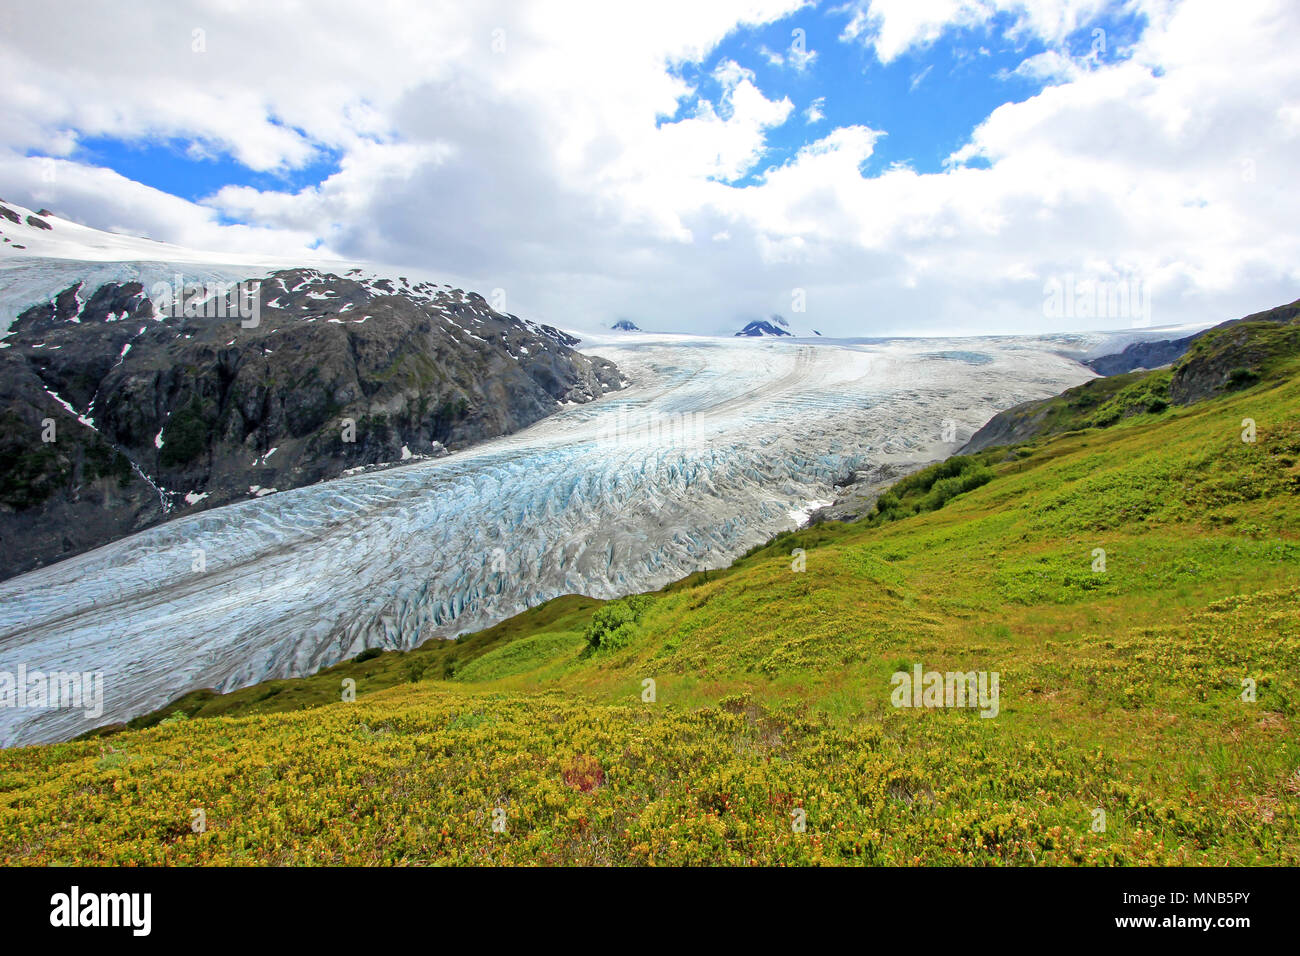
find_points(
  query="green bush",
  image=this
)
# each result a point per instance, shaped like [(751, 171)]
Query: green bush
[(415, 671), (1241, 378), (614, 625), (930, 488), (1148, 394)]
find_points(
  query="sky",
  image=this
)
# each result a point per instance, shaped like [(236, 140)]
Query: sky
[(869, 167)]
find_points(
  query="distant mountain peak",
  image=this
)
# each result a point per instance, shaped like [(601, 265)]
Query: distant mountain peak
[(761, 327), (625, 325)]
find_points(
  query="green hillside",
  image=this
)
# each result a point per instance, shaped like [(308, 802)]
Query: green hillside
[(772, 737)]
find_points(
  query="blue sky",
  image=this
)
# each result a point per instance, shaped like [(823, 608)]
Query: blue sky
[(927, 101), (194, 170)]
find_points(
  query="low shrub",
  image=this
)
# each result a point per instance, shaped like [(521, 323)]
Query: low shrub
[(614, 625)]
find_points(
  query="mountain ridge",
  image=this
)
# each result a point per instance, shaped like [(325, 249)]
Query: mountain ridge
[(1205, 365), (122, 405)]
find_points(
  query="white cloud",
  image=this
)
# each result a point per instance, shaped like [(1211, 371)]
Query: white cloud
[(801, 60), (797, 56), (1050, 66), (816, 111), (536, 149), (892, 27)]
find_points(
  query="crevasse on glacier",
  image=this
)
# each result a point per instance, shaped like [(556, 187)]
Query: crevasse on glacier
[(711, 451)]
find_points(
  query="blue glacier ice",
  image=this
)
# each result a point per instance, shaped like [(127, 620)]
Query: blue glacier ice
[(716, 445)]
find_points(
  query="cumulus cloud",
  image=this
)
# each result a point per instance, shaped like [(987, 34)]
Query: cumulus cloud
[(557, 150), (893, 27)]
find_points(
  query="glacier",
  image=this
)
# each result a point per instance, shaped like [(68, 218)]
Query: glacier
[(715, 446)]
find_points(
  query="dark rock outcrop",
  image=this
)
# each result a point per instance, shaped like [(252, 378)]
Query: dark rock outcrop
[(1141, 355), (856, 495), (558, 336), (1164, 351), (1015, 425), (1234, 356)]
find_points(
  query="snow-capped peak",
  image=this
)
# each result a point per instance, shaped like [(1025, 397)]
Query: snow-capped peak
[(774, 326)]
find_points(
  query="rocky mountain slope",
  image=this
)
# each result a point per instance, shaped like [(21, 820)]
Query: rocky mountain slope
[(1228, 357), (121, 407), (1146, 355)]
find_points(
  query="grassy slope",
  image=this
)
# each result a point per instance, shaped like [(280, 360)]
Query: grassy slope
[(1259, 349), (1120, 690), (1076, 407), (434, 660)]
